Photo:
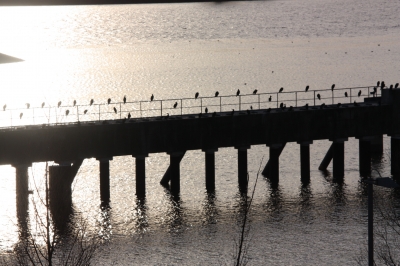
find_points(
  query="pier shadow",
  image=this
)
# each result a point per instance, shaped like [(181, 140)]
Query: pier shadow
[(209, 208), (174, 215), (274, 203)]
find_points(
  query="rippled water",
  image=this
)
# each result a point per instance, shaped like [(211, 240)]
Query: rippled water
[(173, 51)]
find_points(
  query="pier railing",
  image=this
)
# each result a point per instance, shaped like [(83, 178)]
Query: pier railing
[(65, 114)]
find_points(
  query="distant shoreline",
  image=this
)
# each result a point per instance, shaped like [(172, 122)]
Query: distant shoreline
[(90, 2)]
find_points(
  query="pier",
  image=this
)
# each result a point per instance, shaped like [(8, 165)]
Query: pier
[(232, 121)]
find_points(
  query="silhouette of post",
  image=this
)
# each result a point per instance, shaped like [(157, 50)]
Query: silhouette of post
[(327, 159), (174, 168), (242, 167), (266, 168), (105, 180), (210, 169), (140, 176), (395, 156), (167, 176), (275, 151), (338, 159), (22, 193), (365, 156), (305, 161)]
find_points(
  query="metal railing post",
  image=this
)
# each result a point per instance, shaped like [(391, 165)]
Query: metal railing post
[(314, 98), (77, 113), (259, 101), (181, 107), (120, 113), (350, 95), (332, 96), (161, 107), (140, 107), (99, 112), (277, 96), (220, 103), (201, 105), (296, 98), (240, 102)]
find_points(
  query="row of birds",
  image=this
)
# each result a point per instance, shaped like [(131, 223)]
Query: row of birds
[(374, 92)]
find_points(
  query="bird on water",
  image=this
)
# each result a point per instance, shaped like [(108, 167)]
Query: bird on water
[(91, 101), (281, 89), (255, 91), (59, 104), (196, 95), (176, 104), (109, 101), (151, 98), (238, 92), (216, 94), (319, 96), (307, 87)]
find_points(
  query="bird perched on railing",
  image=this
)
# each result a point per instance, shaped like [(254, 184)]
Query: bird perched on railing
[(378, 83), (281, 89), (396, 85), (307, 87), (238, 92), (28, 105), (270, 98), (306, 106), (216, 94), (84, 112), (255, 91), (20, 115), (151, 98), (115, 110), (333, 87), (109, 101), (129, 115), (175, 104), (66, 112), (196, 95), (319, 96), (91, 102), (382, 85), (206, 110), (233, 112), (124, 99), (42, 104), (359, 93), (345, 94), (391, 87), (59, 104), (4, 107)]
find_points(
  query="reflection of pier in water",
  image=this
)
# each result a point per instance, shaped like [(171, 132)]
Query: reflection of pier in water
[(68, 144)]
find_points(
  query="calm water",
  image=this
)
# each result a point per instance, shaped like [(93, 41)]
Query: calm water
[(172, 51)]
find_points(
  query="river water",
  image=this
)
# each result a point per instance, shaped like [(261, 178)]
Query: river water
[(172, 51)]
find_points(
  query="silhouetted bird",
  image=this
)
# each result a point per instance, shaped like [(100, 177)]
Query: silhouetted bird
[(151, 98), (74, 102), (124, 99), (109, 101), (59, 104), (91, 101), (216, 94), (345, 94), (281, 105), (281, 89), (4, 107), (270, 98), (42, 104), (129, 115), (206, 110), (306, 106), (319, 96), (255, 91), (28, 105), (382, 84), (115, 110), (67, 112), (238, 92), (214, 114), (20, 115), (378, 83), (396, 85), (84, 112), (359, 93), (307, 87), (391, 87), (176, 104), (233, 112), (251, 107), (333, 86), (196, 95)]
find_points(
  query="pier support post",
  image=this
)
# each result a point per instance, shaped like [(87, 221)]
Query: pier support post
[(365, 156), (266, 168), (327, 159), (338, 158), (167, 177), (275, 151), (305, 161), (242, 167), (175, 175), (395, 156), (140, 176), (104, 180), (22, 193), (377, 144), (210, 169)]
